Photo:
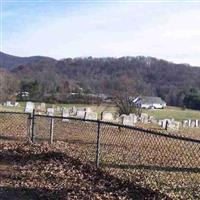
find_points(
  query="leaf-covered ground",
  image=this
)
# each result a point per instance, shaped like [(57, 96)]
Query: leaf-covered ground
[(39, 171)]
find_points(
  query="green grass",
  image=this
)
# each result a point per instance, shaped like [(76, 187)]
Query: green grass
[(174, 112)]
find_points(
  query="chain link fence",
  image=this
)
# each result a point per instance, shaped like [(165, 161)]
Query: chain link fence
[(161, 161), (15, 126)]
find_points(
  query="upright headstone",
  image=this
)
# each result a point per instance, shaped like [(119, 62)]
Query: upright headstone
[(189, 122), (185, 123), (91, 115), (127, 120), (196, 123), (134, 117), (173, 125), (50, 111), (38, 109), (65, 113), (80, 114), (107, 116), (166, 122), (30, 106)]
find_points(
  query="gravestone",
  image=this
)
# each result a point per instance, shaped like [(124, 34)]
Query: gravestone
[(185, 123), (80, 114), (107, 116), (9, 103), (91, 115), (65, 113), (30, 106), (134, 117), (193, 124), (165, 123), (50, 111), (189, 122), (196, 123), (38, 109), (127, 120), (173, 125)]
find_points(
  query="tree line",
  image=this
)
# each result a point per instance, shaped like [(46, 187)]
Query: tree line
[(50, 80)]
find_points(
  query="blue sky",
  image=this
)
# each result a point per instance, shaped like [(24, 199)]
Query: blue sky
[(60, 29)]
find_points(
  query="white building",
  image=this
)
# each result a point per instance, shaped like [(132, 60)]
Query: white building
[(150, 102)]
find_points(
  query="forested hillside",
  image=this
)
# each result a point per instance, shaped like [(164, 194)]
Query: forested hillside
[(47, 79)]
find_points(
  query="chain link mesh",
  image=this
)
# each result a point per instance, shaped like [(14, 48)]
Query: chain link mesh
[(160, 161), (14, 126)]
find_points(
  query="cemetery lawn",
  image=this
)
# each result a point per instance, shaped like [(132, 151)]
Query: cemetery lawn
[(174, 112), (170, 112)]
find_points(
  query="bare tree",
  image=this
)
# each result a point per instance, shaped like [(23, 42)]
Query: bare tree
[(126, 105), (8, 86)]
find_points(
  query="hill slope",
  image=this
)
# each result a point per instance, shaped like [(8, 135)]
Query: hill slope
[(134, 75), (9, 62)]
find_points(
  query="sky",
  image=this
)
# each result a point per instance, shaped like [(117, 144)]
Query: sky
[(164, 29)]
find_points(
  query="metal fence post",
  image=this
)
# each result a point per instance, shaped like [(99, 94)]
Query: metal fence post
[(29, 126), (51, 130), (98, 144), (33, 127)]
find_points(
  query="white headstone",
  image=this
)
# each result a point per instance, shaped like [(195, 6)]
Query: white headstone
[(91, 115), (165, 122), (30, 106), (128, 120), (196, 123), (134, 117), (50, 111), (173, 125), (107, 116), (193, 124), (65, 113), (185, 123), (80, 114)]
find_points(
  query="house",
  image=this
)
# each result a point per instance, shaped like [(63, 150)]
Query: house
[(150, 102)]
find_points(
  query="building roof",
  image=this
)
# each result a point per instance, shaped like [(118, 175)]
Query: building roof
[(152, 100)]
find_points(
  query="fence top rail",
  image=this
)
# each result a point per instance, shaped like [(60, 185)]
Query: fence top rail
[(17, 113), (148, 131)]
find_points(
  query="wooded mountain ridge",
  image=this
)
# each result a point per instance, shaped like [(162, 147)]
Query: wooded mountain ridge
[(47, 78)]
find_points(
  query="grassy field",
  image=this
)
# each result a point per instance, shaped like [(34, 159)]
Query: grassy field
[(174, 112)]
